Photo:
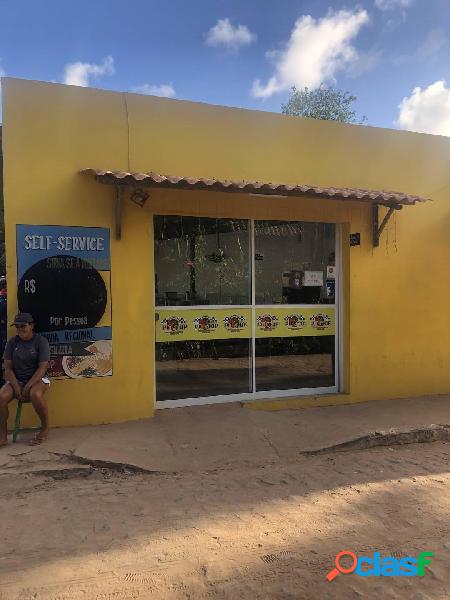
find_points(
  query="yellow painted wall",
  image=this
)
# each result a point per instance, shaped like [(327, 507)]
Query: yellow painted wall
[(397, 322)]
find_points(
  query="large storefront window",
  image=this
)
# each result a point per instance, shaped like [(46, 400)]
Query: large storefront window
[(295, 265), (219, 338), (198, 368), (291, 262), (201, 261)]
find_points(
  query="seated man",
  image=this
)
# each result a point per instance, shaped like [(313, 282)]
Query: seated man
[(26, 360)]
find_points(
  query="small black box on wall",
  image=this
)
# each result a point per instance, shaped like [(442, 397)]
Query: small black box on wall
[(355, 239)]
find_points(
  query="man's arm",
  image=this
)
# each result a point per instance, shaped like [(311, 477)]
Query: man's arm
[(11, 377)]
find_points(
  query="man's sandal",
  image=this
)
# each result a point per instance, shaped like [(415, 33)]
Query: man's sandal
[(38, 438)]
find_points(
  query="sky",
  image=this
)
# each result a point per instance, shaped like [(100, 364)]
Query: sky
[(393, 55)]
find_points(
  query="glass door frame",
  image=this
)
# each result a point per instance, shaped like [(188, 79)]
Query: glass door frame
[(270, 394)]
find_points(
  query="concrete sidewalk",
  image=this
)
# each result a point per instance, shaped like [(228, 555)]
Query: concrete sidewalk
[(217, 436)]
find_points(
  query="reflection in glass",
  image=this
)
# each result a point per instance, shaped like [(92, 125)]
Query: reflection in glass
[(293, 262), (193, 369), (297, 362), (201, 261)]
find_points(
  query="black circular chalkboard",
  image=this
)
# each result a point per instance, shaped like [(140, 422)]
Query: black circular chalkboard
[(62, 292)]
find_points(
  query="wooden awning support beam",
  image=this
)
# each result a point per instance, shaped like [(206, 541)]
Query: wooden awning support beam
[(139, 197), (377, 227), (118, 201)]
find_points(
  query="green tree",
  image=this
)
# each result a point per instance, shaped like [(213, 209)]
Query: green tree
[(324, 103)]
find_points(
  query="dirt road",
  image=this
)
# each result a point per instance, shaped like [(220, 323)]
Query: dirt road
[(248, 531)]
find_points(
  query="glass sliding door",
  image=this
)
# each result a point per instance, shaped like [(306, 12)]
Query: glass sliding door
[(295, 287), (244, 309), (203, 307)]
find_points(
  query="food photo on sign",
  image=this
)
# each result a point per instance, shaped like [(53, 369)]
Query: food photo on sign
[(64, 276)]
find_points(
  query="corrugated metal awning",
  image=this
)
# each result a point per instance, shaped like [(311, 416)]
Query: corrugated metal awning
[(386, 198)]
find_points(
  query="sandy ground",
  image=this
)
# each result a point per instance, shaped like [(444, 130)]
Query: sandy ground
[(267, 530)]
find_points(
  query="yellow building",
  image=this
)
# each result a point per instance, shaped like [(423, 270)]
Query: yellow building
[(161, 283)]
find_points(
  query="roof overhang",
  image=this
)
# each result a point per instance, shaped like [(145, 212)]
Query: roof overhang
[(155, 180), (120, 179)]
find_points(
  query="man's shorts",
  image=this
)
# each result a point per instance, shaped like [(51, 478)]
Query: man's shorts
[(22, 384)]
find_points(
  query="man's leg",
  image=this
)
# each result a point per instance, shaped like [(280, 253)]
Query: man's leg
[(40, 406), (6, 395)]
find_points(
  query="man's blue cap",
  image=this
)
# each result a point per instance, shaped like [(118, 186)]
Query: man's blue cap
[(22, 319)]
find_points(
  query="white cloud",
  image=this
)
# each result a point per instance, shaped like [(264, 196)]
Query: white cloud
[(79, 73), (392, 4), (316, 51), (426, 110), (166, 90), (231, 37)]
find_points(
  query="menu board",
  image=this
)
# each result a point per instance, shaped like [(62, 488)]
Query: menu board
[(64, 276)]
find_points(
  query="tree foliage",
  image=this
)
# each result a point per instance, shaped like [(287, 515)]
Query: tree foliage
[(325, 103)]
